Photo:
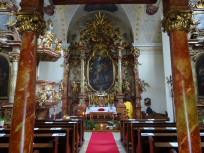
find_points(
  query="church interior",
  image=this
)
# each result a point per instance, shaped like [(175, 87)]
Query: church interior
[(99, 76)]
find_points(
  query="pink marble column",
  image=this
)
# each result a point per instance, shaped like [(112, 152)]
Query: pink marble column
[(184, 95), (23, 119), (177, 22)]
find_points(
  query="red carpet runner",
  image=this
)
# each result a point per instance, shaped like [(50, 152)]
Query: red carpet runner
[(102, 142)]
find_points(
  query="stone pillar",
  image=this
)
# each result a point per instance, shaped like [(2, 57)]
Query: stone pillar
[(138, 92), (120, 94), (65, 99), (14, 58), (177, 23), (120, 81), (82, 81), (29, 22)]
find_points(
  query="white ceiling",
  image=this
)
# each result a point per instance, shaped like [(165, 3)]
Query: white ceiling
[(140, 27)]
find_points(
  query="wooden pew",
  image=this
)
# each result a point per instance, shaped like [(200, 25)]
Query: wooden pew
[(72, 125), (63, 143), (149, 141), (125, 124), (130, 138), (43, 142), (163, 142), (80, 125)]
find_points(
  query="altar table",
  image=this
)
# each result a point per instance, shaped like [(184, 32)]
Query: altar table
[(101, 112)]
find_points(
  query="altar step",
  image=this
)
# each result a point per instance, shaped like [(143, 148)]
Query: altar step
[(102, 125)]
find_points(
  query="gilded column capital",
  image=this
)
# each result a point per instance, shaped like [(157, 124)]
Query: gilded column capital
[(30, 21), (136, 52), (177, 20)]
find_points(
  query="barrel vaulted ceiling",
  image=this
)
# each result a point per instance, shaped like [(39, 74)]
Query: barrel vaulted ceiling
[(144, 29)]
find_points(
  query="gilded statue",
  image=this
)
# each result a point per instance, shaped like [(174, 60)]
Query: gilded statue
[(46, 40), (58, 48), (126, 86), (75, 88)]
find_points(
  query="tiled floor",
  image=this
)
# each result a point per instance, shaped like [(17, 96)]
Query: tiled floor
[(87, 137)]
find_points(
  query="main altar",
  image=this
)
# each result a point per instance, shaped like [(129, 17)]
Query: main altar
[(101, 72)]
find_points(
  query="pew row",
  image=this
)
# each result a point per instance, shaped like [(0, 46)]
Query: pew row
[(137, 136), (58, 136)]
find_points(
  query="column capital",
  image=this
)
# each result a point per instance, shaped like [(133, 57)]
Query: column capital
[(30, 21), (14, 56), (177, 20)]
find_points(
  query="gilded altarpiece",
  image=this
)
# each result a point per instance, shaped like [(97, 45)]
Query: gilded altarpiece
[(101, 67)]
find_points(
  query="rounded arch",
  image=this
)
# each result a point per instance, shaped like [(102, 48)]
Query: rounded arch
[(114, 13)]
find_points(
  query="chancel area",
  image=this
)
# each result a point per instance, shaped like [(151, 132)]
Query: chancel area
[(101, 76)]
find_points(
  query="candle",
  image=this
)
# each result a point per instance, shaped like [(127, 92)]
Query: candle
[(101, 126)]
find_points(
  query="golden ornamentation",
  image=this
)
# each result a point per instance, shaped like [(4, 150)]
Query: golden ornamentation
[(136, 52), (4, 6), (100, 30), (58, 47), (196, 4), (177, 21), (48, 93), (30, 22), (46, 40)]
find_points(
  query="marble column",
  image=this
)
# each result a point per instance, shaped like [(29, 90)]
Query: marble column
[(14, 58), (177, 22), (136, 54), (120, 81), (29, 22), (65, 99), (120, 94), (82, 81)]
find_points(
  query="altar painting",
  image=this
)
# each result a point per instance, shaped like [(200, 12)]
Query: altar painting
[(200, 75), (101, 73), (4, 76)]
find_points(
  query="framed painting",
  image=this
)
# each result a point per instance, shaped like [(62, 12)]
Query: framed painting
[(200, 75), (4, 78), (101, 71)]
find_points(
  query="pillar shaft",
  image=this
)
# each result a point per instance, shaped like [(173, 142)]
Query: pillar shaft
[(120, 81), (184, 95), (82, 95), (14, 60), (136, 54), (82, 76), (177, 23), (29, 22), (65, 99), (21, 139)]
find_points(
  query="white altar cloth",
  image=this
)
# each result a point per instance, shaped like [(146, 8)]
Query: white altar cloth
[(96, 109)]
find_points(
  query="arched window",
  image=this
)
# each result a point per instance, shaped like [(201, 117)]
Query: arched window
[(4, 78), (200, 75)]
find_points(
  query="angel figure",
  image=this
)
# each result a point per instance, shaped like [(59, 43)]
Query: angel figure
[(58, 48), (75, 88), (49, 35)]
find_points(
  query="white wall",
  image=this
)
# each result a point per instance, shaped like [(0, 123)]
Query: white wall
[(168, 73), (51, 71), (152, 71)]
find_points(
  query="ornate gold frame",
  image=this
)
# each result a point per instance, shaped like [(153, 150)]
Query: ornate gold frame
[(94, 52)]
